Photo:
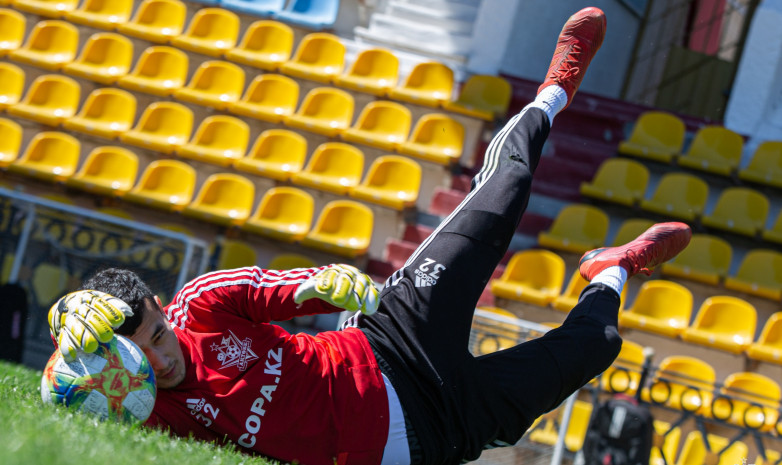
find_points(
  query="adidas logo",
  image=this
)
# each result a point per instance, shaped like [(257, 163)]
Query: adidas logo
[(424, 278), (195, 405)]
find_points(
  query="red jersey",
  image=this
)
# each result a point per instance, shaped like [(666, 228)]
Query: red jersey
[(316, 400)]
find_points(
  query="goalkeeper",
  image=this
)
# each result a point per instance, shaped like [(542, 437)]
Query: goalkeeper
[(397, 385)]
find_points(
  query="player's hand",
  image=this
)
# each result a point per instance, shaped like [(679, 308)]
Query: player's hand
[(81, 319), (343, 286)]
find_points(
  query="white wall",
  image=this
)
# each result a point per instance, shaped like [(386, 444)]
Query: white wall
[(755, 105), (536, 27)]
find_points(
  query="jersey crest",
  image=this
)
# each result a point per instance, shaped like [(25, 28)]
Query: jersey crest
[(233, 351)]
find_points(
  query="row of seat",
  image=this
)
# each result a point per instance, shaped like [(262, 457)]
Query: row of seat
[(52, 99), (268, 45), (739, 210), (664, 307), (659, 136), (312, 14)]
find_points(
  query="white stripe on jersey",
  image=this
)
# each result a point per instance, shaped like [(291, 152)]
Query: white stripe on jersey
[(252, 276)]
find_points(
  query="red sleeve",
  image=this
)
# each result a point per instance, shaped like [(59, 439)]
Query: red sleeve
[(258, 295)]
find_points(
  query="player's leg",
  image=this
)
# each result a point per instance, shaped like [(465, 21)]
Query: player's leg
[(536, 376)]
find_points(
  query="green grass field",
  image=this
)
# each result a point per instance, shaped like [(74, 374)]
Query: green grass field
[(34, 433)]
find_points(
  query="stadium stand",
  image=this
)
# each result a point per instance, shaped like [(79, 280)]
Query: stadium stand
[(266, 45), (164, 184), (284, 213), (657, 136), (324, 110), (661, 307), (343, 227), (576, 228), (749, 400), (211, 31), (619, 181), (216, 83), (682, 383), (50, 100), (534, 276), (224, 199), (739, 210), (706, 259), (375, 70), (50, 156), (219, 140), (436, 137), (678, 195), (104, 58), (107, 170), (392, 181), (160, 70), (107, 112), (725, 323), (428, 83), (760, 274), (270, 97), (333, 167), (275, 154), (482, 96), (163, 127), (50, 45), (10, 141), (383, 124), (765, 166), (715, 150), (320, 57)]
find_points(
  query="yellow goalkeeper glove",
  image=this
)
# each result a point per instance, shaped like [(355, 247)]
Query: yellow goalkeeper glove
[(343, 286), (81, 319)]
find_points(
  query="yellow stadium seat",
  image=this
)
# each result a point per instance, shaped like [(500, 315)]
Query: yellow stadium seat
[(765, 167), (748, 400), (325, 110), (51, 156), (12, 26), (289, 262), (772, 458), (657, 136), (102, 14), (618, 180), (50, 8), (666, 453), (577, 228), (768, 347), (11, 84), (682, 383), (224, 198), (706, 259), (216, 84), (775, 233), (107, 112), (269, 97), (164, 184), (429, 83), (630, 229), (482, 96), (534, 276), (334, 167), (760, 274), (661, 307), (48, 282), (344, 227), (50, 45), (382, 123), (715, 150), (624, 375), (678, 195), (569, 297), (235, 254), (723, 322), (107, 171), (374, 70), (10, 141), (212, 31), (276, 154), (104, 58), (156, 21), (164, 127), (576, 430), (491, 335), (739, 210), (320, 56), (694, 450), (50, 99), (436, 137), (392, 181), (219, 139), (266, 44), (160, 70), (284, 213)]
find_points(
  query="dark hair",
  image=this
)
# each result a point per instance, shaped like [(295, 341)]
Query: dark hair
[(126, 286)]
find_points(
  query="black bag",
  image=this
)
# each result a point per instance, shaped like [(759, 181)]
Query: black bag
[(13, 316), (620, 433)]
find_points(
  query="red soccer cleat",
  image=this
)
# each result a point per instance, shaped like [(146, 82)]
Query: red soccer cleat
[(656, 245), (578, 42)]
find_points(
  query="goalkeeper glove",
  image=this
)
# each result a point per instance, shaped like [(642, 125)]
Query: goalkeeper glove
[(82, 319), (343, 286)]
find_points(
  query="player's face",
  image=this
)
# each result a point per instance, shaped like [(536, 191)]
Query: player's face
[(156, 338)]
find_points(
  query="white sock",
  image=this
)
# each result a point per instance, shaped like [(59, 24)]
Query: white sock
[(613, 277), (552, 99)]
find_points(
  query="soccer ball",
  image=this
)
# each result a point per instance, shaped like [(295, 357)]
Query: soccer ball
[(115, 382)]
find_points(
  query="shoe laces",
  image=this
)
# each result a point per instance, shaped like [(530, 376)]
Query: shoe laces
[(570, 62)]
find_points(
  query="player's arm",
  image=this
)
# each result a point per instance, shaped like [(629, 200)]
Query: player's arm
[(82, 319), (275, 295)]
